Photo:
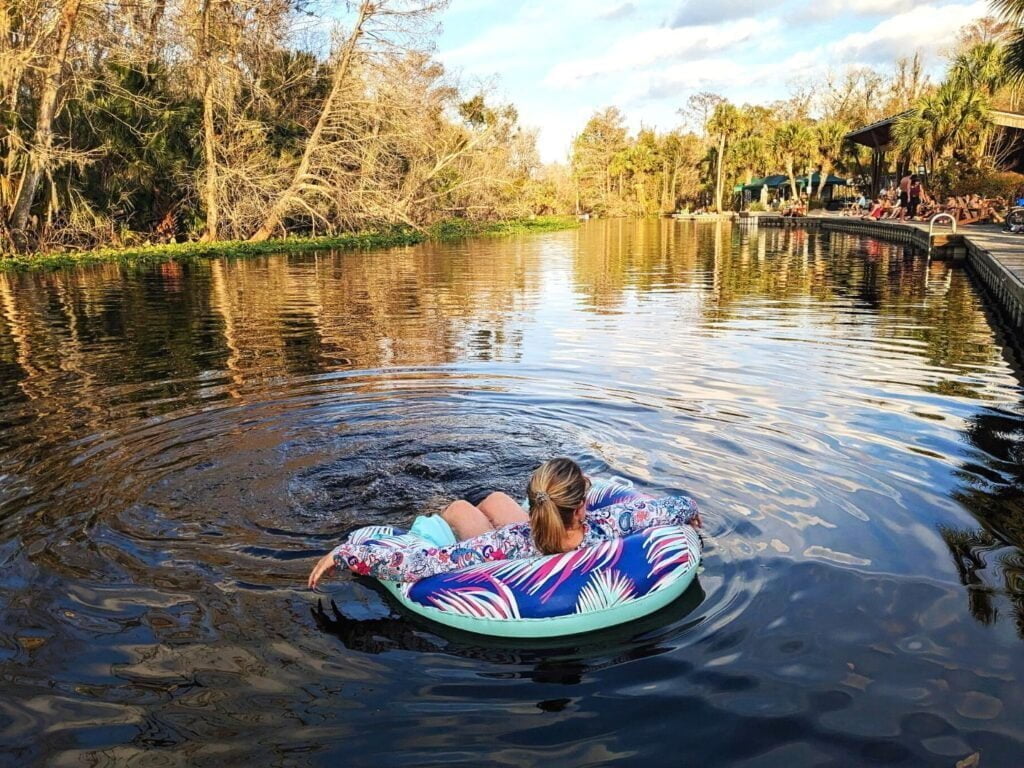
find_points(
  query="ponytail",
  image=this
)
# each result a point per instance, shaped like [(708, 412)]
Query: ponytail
[(547, 526), (555, 492)]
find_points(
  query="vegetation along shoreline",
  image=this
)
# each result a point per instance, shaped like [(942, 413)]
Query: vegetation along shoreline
[(445, 231)]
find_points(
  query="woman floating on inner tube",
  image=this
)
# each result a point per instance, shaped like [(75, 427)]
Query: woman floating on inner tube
[(560, 520)]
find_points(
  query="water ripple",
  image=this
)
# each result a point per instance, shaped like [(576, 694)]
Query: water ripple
[(178, 443)]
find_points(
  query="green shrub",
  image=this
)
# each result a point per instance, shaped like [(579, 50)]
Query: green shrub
[(996, 184), (756, 205), (451, 229), (959, 178)]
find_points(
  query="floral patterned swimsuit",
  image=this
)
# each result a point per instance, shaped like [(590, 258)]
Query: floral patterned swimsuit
[(400, 558)]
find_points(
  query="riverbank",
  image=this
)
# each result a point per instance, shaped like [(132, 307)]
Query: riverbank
[(446, 231)]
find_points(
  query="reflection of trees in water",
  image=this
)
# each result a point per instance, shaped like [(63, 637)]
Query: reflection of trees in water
[(990, 559), (971, 550), (75, 338), (422, 306), (865, 284), (827, 266), (619, 256), (68, 338), (728, 263), (76, 344), (846, 274)]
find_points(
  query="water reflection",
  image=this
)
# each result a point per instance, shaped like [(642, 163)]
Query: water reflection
[(177, 443), (567, 661), (989, 560)]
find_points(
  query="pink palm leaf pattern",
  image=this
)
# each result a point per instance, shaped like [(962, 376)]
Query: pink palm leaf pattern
[(493, 600), (668, 549), (532, 574)]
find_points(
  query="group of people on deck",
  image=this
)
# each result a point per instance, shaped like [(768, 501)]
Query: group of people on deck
[(908, 199)]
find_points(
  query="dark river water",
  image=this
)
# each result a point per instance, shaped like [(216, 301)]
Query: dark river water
[(178, 445)]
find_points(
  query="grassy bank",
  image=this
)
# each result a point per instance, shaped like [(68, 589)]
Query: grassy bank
[(455, 229)]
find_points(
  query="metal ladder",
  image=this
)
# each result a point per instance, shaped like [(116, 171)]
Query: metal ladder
[(931, 227)]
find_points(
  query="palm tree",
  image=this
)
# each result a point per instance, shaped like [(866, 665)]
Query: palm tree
[(723, 125), (1012, 11), (749, 155), (951, 121), (794, 145), (981, 67), (830, 136)]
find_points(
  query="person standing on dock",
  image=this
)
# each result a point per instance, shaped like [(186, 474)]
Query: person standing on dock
[(915, 196), (905, 183)]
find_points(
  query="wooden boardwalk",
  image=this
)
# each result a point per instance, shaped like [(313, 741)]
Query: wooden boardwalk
[(996, 257)]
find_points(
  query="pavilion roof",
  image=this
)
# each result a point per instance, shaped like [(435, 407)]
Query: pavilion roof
[(780, 180), (878, 135)]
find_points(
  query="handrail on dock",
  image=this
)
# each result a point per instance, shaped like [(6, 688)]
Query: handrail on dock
[(931, 227), (936, 217)]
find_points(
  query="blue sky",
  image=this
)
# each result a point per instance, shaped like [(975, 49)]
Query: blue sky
[(559, 60)]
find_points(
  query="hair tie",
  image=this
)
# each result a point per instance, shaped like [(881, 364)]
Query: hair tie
[(540, 497)]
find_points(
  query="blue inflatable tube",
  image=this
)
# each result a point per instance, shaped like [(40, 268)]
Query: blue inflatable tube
[(611, 583)]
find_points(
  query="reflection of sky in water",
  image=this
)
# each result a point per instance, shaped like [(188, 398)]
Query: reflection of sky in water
[(790, 411)]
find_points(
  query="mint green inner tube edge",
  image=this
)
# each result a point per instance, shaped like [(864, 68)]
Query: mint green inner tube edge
[(553, 626)]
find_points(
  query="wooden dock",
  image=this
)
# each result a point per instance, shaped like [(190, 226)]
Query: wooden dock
[(994, 256), (997, 258), (727, 216)]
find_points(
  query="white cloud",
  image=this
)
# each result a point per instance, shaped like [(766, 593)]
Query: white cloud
[(830, 9), (694, 12), (649, 46), (620, 11), (559, 128), (534, 33), (676, 80), (494, 41), (926, 29)]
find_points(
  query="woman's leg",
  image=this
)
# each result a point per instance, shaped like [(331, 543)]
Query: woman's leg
[(500, 509), (466, 520)]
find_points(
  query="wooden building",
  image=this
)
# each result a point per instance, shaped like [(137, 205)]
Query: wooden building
[(878, 138)]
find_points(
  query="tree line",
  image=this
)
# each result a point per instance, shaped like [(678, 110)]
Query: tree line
[(944, 126), (131, 121), (126, 121)]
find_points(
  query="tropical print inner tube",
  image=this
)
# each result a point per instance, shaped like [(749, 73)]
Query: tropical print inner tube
[(612, 582)]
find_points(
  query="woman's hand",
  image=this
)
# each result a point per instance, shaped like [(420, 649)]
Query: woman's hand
[(695, 521), (325, 566)]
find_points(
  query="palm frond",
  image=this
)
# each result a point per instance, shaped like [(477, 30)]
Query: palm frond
[(1011, 10), (536, 573), (495, 601), (605, 589), (669, 547), (1014, 58)]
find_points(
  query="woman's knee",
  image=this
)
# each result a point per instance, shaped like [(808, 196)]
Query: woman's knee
[(466, 520), (501, 509)]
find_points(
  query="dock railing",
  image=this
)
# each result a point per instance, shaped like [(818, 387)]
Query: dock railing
[(931, 227)]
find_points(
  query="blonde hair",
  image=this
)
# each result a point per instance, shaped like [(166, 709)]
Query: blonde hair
[(555, 491)]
